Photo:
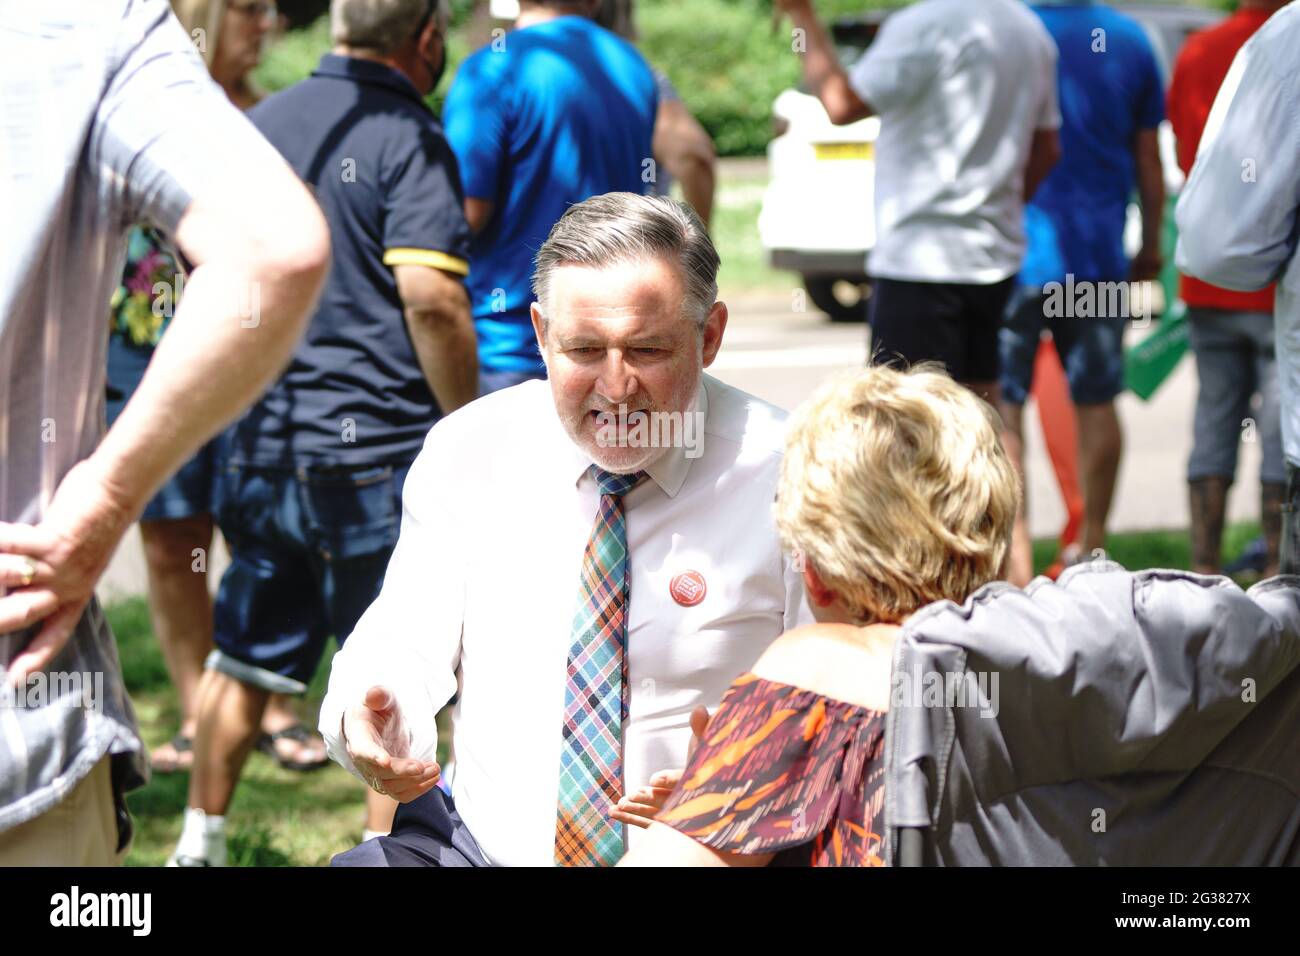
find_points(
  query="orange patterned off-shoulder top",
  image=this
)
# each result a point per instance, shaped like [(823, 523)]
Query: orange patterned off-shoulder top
[(786, 771)]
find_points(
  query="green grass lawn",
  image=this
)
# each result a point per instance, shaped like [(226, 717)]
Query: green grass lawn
[(736, 205), (280, 818), (737, 199)]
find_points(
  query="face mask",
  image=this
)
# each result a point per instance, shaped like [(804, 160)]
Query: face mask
[(435, 71)]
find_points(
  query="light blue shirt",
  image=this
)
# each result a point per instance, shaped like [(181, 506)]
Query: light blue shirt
[(550, 115), (1237, 215)]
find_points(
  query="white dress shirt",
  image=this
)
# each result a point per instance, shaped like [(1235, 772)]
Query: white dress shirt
[(480, 595), (961, 86)]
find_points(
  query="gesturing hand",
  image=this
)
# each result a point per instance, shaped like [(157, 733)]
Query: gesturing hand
[(1146, 267), (639, 808), (379, 745)]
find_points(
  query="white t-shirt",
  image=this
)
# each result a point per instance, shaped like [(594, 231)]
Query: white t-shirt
[(960, 86)]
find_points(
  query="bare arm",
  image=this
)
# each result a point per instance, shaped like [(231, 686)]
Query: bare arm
[(1237, 225), (1151, 195), (1044, 153), (661, 845), (261, 261), (478, 213), (442, 331), (261, 251), (821, 67), (684, 148)]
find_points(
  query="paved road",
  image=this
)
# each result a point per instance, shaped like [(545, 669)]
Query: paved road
[(782, 355)]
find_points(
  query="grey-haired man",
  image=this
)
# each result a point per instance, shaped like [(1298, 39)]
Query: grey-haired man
[(583, 563)]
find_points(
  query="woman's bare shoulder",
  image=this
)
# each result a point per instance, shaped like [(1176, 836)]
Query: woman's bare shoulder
[(840, 661)]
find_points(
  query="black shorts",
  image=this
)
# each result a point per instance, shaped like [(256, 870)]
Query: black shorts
[(954, 323)]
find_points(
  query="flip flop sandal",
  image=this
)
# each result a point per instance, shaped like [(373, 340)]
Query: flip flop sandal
[(182, 745), (297, 733)]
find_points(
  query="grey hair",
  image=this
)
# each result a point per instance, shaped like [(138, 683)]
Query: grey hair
[(628, 227), (381, 26)]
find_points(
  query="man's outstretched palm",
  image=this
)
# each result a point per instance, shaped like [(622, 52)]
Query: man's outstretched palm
[(380, 746)]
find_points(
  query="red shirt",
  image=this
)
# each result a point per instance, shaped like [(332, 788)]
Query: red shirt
[(1198, 74)]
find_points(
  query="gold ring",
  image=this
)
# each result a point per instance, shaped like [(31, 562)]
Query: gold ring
[(29, 572)]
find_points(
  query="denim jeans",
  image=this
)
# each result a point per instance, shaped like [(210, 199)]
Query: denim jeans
[(309, 548), (1091, 350), (1234, 360), (1290, 554)]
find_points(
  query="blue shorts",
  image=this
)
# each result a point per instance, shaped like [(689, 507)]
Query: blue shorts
[(1091, 349), (187, 493), (308, 548)]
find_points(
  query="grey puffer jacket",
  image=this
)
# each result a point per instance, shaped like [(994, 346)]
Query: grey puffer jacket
[(1110, 718)]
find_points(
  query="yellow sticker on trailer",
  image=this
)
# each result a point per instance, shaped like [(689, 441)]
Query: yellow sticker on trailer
[(842, 150)]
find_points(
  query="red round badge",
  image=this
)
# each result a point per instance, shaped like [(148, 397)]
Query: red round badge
[(688, 588)]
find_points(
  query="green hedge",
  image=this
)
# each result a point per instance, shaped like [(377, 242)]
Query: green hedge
[(294, 56), (727, 62)]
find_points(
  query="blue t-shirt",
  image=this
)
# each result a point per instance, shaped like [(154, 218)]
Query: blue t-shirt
[(359, 134), (1110, 87), (542, 118)]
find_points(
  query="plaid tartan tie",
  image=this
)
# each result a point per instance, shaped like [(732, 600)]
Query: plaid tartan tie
[(596, 693)]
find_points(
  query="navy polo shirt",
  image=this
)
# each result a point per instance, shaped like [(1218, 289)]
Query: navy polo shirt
[(359, 134)]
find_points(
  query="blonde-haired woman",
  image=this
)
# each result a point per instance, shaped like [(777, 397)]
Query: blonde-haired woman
[(177, 524), (895, 492), (230, 35)]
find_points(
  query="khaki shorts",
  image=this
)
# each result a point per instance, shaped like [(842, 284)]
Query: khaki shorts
[(80, 831)]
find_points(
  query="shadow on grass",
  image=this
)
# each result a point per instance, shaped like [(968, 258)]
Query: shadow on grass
[(277, 817), (252, 846)]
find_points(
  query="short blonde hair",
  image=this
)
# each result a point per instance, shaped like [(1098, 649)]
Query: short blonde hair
[(896, 489)]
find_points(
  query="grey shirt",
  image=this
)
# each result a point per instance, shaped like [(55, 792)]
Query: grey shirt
[(1237, 215), (961, 87), (107, 117)]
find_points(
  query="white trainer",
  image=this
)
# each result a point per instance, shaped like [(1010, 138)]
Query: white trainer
[(202, 842)]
